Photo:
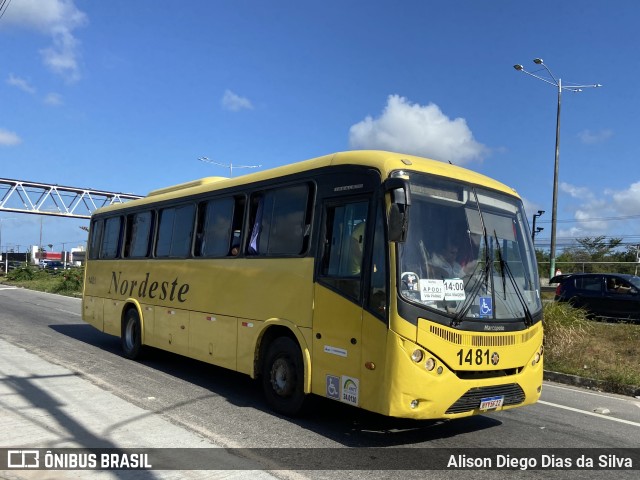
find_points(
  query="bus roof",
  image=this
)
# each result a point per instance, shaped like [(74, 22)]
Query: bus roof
[(384, 162)]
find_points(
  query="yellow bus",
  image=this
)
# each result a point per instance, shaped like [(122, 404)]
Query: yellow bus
[(401, 285)]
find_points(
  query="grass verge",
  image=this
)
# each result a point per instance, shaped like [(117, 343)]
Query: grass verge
[(603, 351)]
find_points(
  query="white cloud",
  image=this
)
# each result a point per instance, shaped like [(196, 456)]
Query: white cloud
[(592, 218), (58, 19), (627, 201), (601, 213), (20, 83), (53, 99), (588, 137), (9, 139), (235, 103), (418, 129), (581, 193)]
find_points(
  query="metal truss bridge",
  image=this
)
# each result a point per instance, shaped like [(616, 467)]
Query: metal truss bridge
[(45, 199)]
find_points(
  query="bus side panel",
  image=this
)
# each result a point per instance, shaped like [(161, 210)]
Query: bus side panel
[(113, 316), (337, 344), (92, 311), (254, 288), (374, 358), (248, 331), (148, 322), (172, 329), (213, 338)]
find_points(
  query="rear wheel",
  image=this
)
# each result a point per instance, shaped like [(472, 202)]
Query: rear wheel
[(283, 376), (131, 337)]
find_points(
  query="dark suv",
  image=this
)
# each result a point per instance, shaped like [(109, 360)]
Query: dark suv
[(614, 295)]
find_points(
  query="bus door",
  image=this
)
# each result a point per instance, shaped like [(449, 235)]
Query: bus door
[(337, 317)]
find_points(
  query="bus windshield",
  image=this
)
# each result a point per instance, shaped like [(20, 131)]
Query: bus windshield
[(468, 253)]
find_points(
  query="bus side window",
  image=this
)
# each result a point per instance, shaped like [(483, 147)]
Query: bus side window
[(175, 231), (138, 237), (96, 238), (341, 263), (377, 298), (112, 237), (214, 228), (280, 221), (236, 226)]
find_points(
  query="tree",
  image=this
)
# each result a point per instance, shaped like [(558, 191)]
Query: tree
[(595, 249)]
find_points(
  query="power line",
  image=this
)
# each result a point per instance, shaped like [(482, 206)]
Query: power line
[(594, 219), (3, 7)]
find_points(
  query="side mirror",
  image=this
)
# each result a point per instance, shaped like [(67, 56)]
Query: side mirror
[(398, 216)]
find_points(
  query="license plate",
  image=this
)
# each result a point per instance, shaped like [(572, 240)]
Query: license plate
[(489, 403)]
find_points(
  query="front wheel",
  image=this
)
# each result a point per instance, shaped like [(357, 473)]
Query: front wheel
[(283, 377), (131, 337)]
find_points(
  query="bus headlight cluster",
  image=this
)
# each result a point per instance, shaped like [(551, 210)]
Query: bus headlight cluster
[(538, 356), (430, 363)]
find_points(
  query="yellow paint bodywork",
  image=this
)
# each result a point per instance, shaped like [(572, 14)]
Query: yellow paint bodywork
[(225, 309)]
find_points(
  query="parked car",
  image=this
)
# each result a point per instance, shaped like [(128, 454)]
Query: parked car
[(612, 295), (54, 265), (12, 265)]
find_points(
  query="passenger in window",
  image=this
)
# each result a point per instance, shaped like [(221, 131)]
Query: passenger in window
[(616, 286), (445, 261)]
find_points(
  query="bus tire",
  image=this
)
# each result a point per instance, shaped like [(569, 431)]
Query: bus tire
[(283, 377), (131, 338)]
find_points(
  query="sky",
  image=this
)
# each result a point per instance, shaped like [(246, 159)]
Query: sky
[(127, 95)]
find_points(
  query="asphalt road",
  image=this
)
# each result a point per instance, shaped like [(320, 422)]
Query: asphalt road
[(227, 408)]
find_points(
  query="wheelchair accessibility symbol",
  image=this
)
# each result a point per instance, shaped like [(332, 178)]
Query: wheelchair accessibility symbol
[(333, 387), (486, 306)]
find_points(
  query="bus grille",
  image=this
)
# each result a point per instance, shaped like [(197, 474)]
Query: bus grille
[(513, 395), (484, 339)]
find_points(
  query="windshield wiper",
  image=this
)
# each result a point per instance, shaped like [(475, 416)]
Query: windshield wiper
[(488, 261), (504, 268)]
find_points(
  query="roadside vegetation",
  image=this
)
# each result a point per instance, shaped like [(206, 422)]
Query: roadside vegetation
[(607, 353), (593, 255), (64, 282)]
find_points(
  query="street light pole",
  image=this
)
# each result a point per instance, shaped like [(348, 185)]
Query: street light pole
[(230, 166), (556, 82), (535, 231)]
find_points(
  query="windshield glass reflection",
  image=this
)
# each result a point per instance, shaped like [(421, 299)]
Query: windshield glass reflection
[(468, 253)]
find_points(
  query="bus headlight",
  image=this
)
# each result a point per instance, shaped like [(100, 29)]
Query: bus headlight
[(538, 356), (430, 364), (417, 355)]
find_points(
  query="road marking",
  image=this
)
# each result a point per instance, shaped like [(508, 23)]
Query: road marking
[(8, 288), (613, 419)]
